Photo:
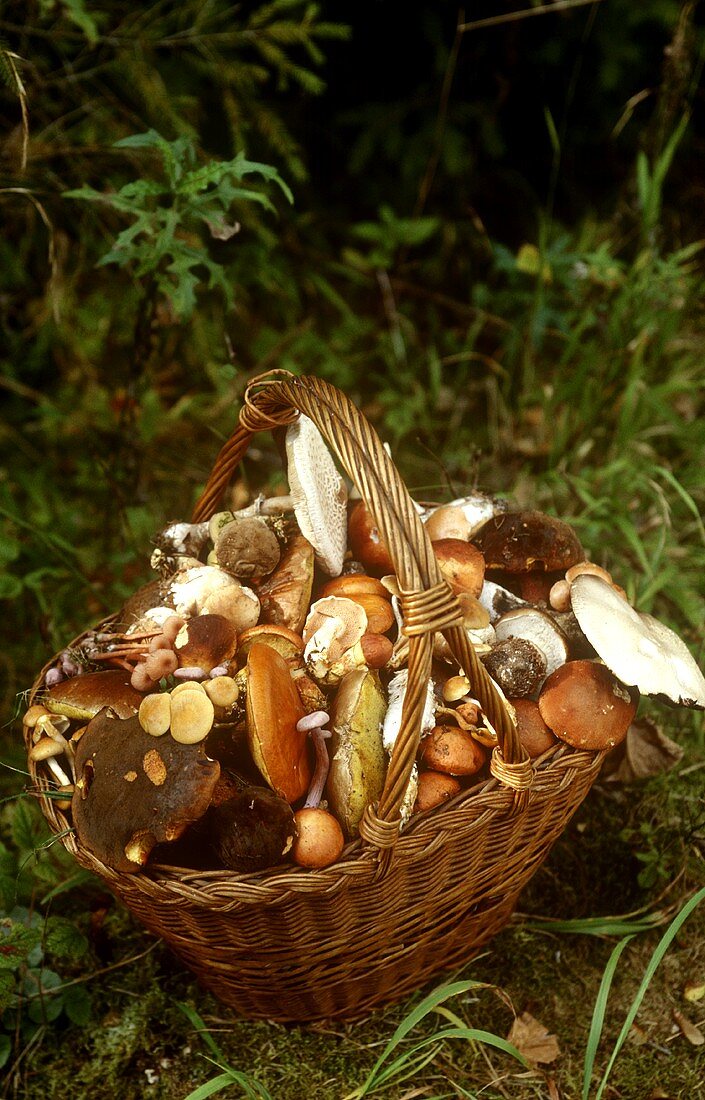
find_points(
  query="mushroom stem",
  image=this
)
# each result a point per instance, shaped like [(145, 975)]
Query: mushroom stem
[(58, 773), (320, 774)]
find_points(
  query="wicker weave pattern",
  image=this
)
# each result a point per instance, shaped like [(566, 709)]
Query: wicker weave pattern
[(292, 944)]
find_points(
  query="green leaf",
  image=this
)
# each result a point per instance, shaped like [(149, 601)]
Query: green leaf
[(78, 1005), (16, 942), (63, 939), (5, 1046), (77, 14)]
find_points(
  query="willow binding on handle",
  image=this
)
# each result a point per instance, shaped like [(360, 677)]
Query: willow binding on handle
[(398, 907)]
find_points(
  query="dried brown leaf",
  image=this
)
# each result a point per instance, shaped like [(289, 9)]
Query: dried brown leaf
[(645, 751), (533, 1040), (692, 1033)]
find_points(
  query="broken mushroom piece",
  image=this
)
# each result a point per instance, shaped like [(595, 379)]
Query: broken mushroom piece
[(318, 494), (586, 706), (132, 792), (520, 541), (286, 594), (391, 727), (274, 708), (540, 629), (517, 665), (639, 650), (319, 839), (205, 641), (333, 627)]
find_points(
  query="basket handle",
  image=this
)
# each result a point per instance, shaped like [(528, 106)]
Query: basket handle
[(428, 603)]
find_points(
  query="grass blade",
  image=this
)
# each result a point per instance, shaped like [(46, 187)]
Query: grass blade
[(598, 1015), (200, 1026), (658, 954), (214, 1085)]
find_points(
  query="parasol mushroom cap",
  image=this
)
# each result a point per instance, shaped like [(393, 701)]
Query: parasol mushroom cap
[(520, 541), (318, 494), (334, 625), (641, 651), (133, 792)]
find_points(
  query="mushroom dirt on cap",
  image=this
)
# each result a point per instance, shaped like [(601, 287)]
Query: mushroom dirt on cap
[(638, 649)]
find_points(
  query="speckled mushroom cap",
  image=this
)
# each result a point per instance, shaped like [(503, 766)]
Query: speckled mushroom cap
[(639, 649), (318, 494), (134, 791), (520, 541)]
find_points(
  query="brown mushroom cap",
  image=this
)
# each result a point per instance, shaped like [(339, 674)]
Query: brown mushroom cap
[(285, 595), (352, 585), (587, 706), (286, 642), (133, 792), (319, 839), (83, 696), (205, 641), (520, 541), (434, 788), (462, 565), (366, 543), (533, 732), (279, 750), (252, 830), (452, 751)]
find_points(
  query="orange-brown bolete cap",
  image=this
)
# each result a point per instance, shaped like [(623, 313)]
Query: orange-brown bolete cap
[(462, 565), (206, 641), (83, 696), (280, 751), (587, 706), (133, 792), (520, 541)]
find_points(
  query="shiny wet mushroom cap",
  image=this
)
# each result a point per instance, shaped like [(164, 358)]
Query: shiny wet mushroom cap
[(279, 750), (318, 494), (83, 696), (640, 650), (586, 706), (520, 541), (133, 791)]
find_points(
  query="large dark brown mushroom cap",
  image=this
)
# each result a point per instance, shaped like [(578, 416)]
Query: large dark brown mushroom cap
[(133, 791), (520, 541)]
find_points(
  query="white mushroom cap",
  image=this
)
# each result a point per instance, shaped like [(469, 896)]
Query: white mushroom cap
[(641, 651), (318, 494), (333, 628), (537, 627)]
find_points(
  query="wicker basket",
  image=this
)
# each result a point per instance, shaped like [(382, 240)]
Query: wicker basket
[(291, 944)]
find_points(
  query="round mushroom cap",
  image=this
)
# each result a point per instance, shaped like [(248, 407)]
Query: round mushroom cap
[(640, 650), (520, 541), (274, 708), (318, 494), (586, 706), (462, 565), (319, 838), (517, 665), (344, 620), (534, 734), (247, 547), (366, 542)]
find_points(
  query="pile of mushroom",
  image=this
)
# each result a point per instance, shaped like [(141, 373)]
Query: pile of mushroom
[(241, 709)]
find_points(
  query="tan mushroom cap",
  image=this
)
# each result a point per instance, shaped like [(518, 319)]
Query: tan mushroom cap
[(640, 650), (247, 547), (462, 565), (366, 543), (192, 716), (318, 494), (319, 840), (451, 751), (534, 734), (280, 751), (338, 623), (586, 706), (434, 789), (461, 518)]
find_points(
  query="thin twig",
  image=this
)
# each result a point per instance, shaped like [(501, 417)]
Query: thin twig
[(526, 13)]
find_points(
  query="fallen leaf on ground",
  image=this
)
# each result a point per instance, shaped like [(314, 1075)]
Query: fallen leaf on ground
[(692, 1033), (533, 1040), (645, 751), (694, 991)]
